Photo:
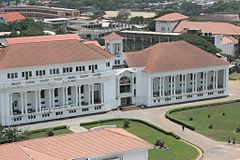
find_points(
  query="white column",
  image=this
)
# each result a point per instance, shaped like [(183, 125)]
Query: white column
[(76, 95), (102, 93), (22, 102), (163, 86), (224, 78), (92, 93), (25, 101), (39, 100), (36, 101), (53, 97), (193, 82), (160, 86), (174, 84), (196, 82), (63, 96), (49, 98), (89, 94), (182, 84), (79, 95), (10, 104), (185, 84), (66, 96), (216, 79), (207, 80)]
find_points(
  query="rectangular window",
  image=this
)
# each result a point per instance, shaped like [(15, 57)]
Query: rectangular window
[(23, 74), (96, 66), (69, 90), (55, 92), (8, 76), (89, 67), (42, 94)]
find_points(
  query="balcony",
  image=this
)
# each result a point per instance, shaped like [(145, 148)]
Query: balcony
[(53, 80)]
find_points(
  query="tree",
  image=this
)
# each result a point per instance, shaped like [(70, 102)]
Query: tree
[(8, 135), (137, 20), (98, 14), (123, 16), (200, 42), (60, 31)]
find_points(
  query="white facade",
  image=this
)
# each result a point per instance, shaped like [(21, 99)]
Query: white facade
[(41, 93), (165, 26)]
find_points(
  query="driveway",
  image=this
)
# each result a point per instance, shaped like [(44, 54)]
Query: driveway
[(213, 150)]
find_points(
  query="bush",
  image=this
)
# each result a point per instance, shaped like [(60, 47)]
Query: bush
[(210, 126), (50, 133), (209, 116), (223, 114), (46, 129), (190, 119), (126, 123)]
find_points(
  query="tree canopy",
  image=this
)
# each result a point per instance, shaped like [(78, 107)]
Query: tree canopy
[(8, 135), (200, 42)]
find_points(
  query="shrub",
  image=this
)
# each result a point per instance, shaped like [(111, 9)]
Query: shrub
[(223, 114), (209, 116), (157, 143), (210, 126), (190, 118), (126, 123), (50, 133)]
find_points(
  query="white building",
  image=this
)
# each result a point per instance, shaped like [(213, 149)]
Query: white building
[(168, 22), (228, 44), (104, 144), (52, 78)]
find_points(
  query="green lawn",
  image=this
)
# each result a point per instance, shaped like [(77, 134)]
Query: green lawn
[(223, 126), (44, 133), (178, 149)]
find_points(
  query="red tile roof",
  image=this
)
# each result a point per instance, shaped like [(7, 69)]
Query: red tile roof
[(42, 38), (172, 17), (92, 42), (172, 56), (229, 39), (49, 52), (12, 16), (216, 28), (74, 146), (113, 36)]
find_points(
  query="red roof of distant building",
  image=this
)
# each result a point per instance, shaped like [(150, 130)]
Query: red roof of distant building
[(12, 16), (42, 38), (230, 39), (216, 28), (113, 36), (172, 17), (172, 56), (74, 146)]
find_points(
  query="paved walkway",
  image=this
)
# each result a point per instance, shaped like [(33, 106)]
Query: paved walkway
[(213, 150)]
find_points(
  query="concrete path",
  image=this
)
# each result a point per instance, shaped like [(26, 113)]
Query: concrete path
[(213, 150)]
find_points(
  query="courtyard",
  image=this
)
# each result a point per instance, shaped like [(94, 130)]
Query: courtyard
[(216, 122)]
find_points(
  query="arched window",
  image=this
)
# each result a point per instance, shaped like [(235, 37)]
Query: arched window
[(125, 80)]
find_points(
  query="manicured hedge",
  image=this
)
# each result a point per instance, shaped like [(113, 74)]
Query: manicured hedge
[(186, 124), (46, 129), (134, 120)]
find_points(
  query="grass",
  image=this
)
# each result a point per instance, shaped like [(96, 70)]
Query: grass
[(33, 135), (178, 149), (234, 76), (223, 126)]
